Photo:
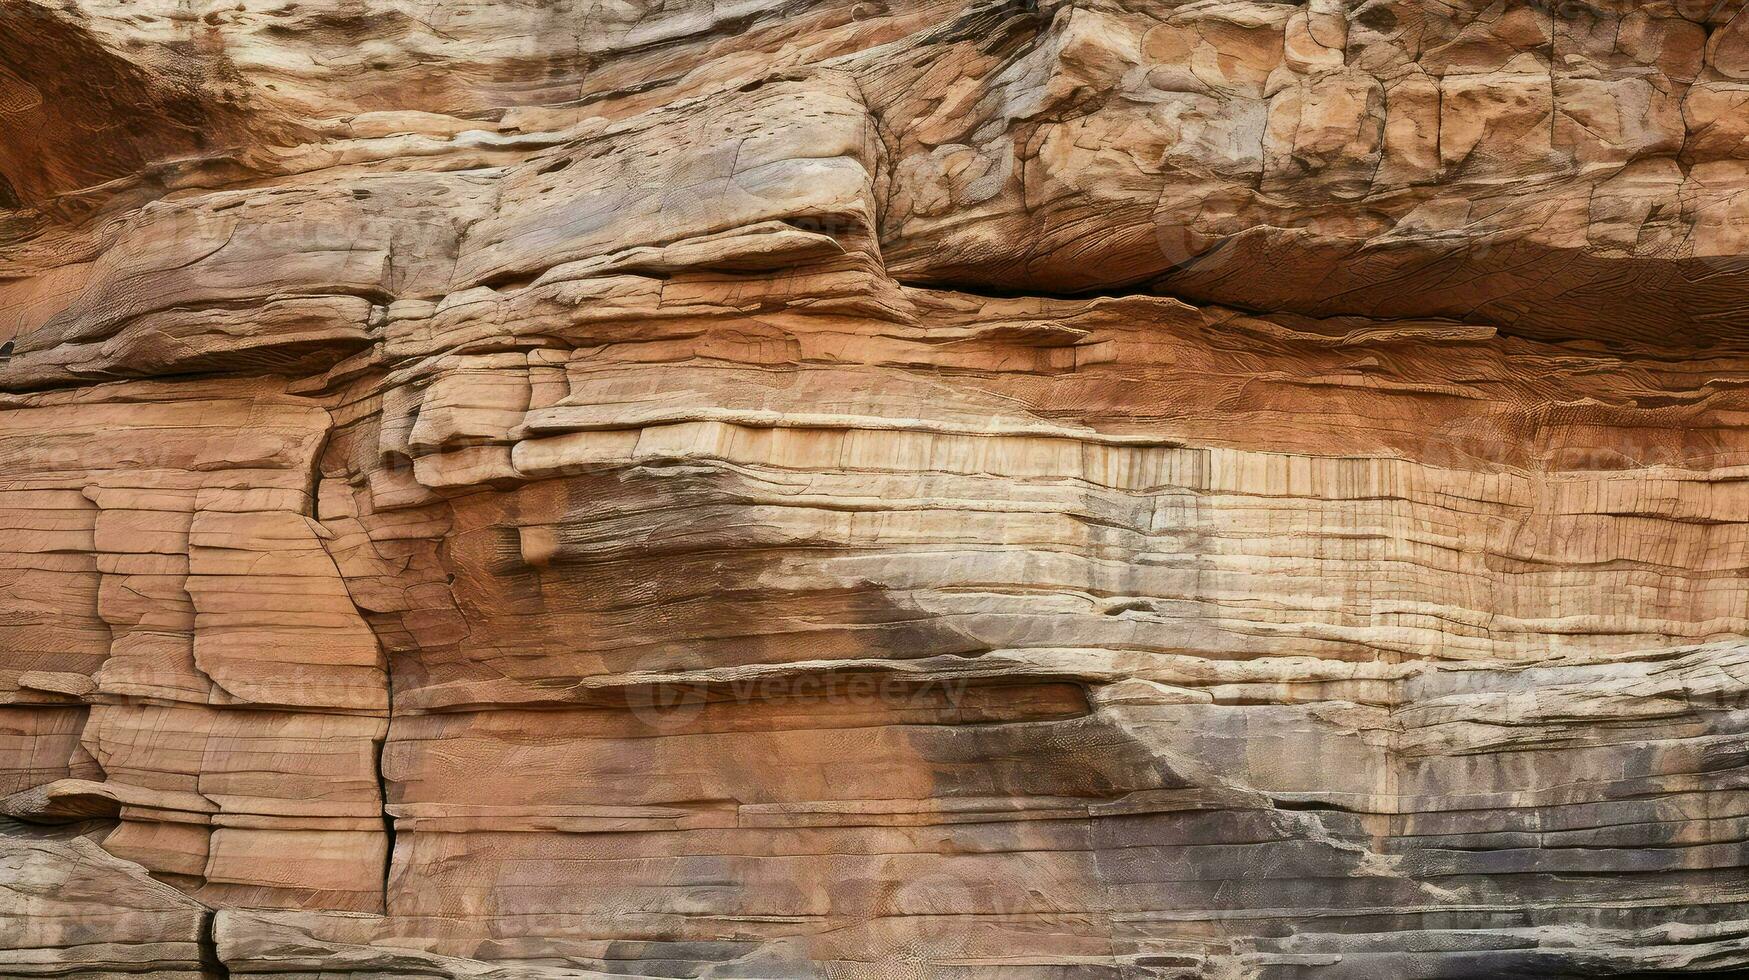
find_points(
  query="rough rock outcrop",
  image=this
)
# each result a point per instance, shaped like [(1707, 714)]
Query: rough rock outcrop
[(1218, 489)]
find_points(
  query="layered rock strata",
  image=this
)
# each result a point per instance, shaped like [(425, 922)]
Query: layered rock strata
[(1226, 489)]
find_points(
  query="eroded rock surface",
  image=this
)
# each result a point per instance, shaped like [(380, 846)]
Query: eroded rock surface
[(1227, 489)]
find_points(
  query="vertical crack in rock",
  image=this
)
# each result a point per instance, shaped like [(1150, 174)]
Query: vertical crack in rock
[(383, 794), (379, 745), (212, 964)]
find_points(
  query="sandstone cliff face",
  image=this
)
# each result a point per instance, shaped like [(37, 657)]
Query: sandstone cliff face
[(559, 489)]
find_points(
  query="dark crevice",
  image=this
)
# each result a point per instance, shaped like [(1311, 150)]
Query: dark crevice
[(624, 91), (313, 488), (210, 963), (1313, 806), (512, 279), (380, 745), (30, 828), (1130, 290)]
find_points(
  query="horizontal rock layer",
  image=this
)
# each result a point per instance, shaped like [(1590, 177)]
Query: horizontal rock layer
[(1188, 490)]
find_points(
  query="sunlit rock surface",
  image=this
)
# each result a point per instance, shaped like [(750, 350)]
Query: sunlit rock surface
[(558, 489)]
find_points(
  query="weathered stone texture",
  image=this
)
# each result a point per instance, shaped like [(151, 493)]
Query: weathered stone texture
[(1221, 489)]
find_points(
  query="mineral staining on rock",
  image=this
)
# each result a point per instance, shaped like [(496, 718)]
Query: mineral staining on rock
[(1216, 490)]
